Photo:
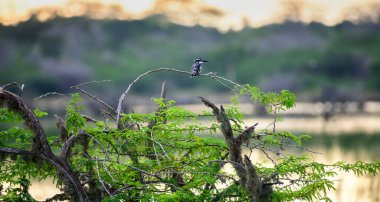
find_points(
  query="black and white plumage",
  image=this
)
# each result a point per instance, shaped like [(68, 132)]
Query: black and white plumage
[(197, 67)]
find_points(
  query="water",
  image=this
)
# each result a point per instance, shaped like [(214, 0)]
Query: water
[(351, 148)]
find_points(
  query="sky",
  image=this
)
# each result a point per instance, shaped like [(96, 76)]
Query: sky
[(222, 14)]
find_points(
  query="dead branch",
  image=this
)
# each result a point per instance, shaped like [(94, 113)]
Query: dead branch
[(213, 75), (245, 135), (163, 90), (91, 82), (211, 105), (51, 93), (245, 170), (61, 125), (88, 118), (257, 190), (94, 97), (8, 85)]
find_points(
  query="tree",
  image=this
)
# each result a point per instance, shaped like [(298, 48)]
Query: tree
[(168, 155)]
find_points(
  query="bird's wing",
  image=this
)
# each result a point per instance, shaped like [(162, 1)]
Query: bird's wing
[(196, 68)]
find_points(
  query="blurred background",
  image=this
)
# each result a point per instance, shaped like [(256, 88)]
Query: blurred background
[(326, 52)]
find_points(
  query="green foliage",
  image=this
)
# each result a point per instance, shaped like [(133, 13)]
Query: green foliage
[(312, 180), (39, 113), (7, 116), (278, 137), (172, 144), (359, 168), (16, 137), (74, 120), (172, 154), (273, 101)]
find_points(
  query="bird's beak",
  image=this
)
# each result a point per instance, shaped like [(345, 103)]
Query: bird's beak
[(204, 61)]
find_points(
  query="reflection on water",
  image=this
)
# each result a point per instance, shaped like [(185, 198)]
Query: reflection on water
[(348, 186), (350, 148), (337, 125)]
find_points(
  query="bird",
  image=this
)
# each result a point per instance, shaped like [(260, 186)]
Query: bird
[(197, 67)]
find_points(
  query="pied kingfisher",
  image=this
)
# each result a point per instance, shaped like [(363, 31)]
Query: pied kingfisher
[(197, 66)]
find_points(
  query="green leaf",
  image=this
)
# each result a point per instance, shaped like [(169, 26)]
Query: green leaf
[(74, 120), (39, 113)]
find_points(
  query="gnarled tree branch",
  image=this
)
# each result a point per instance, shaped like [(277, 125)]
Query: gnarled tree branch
[(15, 151), (14, 103), (249, 179), (40, 147)]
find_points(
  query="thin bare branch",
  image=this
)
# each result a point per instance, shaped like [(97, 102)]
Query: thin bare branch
[(155, 150), (51, 93), (163, 90), (8, 85), (100, 144), (94, 97), (91, 82), (218, 79), (100, 178), (162, 148), (213, 75), (88, 118), (108, 171), (266, 154)]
